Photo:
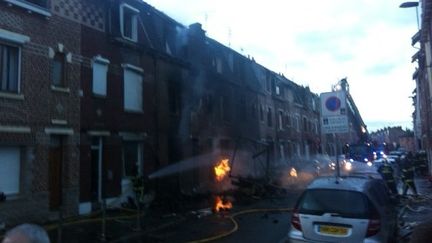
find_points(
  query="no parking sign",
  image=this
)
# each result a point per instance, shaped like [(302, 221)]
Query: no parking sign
[(333, 112)]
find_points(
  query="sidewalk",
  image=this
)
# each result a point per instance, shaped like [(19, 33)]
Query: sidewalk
[(419, 213)]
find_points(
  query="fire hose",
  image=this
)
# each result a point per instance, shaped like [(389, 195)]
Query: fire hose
[(235, 228)]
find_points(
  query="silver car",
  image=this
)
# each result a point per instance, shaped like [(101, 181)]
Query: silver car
[(347, 209)]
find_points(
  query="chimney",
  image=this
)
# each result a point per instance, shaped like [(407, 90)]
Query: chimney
[(196, 30)]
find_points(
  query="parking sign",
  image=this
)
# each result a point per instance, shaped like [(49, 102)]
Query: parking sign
[(334, 117)]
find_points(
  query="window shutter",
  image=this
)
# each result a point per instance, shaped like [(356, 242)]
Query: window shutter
[(133, 88), (9, 170), (100, 78)]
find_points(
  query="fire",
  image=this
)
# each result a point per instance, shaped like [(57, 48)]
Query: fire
[(221, 169), (293, 172), (221, 205)]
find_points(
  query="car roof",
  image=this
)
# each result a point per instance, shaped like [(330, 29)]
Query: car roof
[(358, 183)]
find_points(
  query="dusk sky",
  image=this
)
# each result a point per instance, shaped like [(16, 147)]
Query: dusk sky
[(317, 43)]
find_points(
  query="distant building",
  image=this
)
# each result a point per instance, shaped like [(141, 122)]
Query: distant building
[(395, 138)]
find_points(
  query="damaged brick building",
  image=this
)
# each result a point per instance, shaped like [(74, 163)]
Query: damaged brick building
[(94, 93)]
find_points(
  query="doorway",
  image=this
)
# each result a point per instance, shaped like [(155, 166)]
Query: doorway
[(96, 169), (55, 160)]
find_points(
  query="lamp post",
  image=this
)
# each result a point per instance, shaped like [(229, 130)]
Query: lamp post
[(411, 5)]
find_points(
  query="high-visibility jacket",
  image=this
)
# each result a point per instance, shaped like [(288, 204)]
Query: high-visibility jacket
[(408, 173), (386, 172)]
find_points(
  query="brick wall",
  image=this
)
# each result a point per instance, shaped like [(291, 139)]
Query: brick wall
[(36, 110)]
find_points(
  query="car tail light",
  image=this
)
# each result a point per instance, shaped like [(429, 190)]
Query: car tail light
[(295, 220), (374, 226)]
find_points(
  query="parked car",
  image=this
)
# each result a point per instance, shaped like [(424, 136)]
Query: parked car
[(347, 209)]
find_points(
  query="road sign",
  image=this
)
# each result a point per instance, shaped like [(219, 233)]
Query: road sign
[(333, 112)]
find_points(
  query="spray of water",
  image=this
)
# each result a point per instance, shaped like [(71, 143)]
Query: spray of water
[(185, 165)]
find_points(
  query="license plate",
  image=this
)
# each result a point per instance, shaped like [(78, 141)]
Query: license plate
[(332, 230)]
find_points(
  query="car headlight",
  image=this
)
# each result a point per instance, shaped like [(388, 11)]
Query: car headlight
[(348, 166)]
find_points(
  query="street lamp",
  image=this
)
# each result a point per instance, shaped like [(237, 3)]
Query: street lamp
[(411, 5)]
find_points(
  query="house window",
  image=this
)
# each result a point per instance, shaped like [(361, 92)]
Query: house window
[(100, 69), (280, 118), (268, 85), (218, 65), (305, 124), (282, 151), (58, 70), (224, 108), (129, 22), (133, 88), (9, 68), (288, 120), (174, 97), (261, 112), (297, 122), (132, 159), (9, 170), (269, 117)]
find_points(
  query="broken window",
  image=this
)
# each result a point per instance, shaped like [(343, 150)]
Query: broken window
[(261, 111), (280, 120), (129, 22), (174, 97), (269, 117)]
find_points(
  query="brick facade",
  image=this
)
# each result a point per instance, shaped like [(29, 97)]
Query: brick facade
[(38, 112), (200, 101)]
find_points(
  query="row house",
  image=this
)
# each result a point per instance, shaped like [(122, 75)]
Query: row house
[(39, 111), (95, 93), (423, 77), (242, 108), (132, 79)]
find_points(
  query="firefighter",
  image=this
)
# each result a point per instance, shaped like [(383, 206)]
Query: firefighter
[(138, 187), (408, 169), (386, 172)]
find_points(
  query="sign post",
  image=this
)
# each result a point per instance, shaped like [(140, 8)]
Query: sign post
[(334, 119)]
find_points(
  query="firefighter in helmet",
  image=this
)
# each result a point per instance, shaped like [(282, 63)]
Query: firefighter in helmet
[(408, 169), (386, 172)]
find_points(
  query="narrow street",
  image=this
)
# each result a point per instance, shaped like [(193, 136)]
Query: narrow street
[(263, 220)]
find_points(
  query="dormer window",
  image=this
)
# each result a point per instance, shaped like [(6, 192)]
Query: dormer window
[(40, 3), (129, 22)]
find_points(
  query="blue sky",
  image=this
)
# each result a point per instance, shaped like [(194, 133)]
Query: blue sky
[(316, 43)]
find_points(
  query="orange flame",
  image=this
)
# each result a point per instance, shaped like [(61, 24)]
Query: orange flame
[(221, 205), (293, 172), (221, 169)]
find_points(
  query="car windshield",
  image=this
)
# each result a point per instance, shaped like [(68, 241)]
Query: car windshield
[(341, 202)]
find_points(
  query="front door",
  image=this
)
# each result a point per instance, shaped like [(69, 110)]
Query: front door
[(96, 169), (55, 159)]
